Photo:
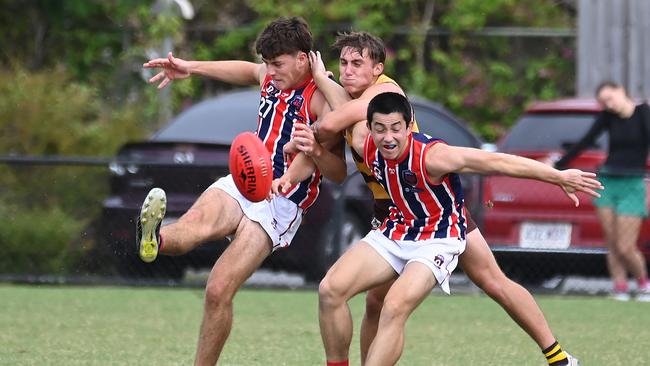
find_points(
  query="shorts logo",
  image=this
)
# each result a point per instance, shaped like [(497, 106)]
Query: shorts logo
[(274, 224), (439, 260)]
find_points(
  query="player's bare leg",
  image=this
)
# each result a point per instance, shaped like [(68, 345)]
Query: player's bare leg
[(409, 290), (238, 262), (374, 303), (481, 267), (614, 265), (360, 268), (214, 215), (628, 228)]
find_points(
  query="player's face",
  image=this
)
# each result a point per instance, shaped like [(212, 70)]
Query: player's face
[(612, 99), (390, 134), (357, 72), (288, 71)]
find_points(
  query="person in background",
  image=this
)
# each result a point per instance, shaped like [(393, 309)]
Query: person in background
[(622, 206)]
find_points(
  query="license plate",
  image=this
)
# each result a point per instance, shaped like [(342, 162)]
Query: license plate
[(545, 235)]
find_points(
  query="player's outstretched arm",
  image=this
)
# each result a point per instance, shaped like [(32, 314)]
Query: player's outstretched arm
[(442, 159), (334, 93), (233, 72)]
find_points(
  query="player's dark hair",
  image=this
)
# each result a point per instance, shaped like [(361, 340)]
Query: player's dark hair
[(284, 36), (360, 41), (387, 103), (608, 84)]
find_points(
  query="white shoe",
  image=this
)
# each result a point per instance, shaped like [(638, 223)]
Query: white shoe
[(620, 296), (572, 360), (148, 225), (643, 294)]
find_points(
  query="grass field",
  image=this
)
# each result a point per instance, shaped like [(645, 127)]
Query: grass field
[(153, 326)]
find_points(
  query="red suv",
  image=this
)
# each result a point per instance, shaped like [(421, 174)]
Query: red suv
[(524, 217)]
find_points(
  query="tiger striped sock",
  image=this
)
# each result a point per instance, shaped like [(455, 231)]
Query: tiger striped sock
[(555, 356)]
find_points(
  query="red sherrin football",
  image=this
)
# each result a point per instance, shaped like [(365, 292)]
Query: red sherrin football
[(250, 166)]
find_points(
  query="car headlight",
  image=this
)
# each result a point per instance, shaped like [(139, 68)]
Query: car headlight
[(116, 168), (132, 168)]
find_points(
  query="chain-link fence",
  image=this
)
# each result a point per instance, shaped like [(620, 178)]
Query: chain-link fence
[(66, 219)]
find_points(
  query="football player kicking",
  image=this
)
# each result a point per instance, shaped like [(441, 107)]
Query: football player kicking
[(361, 73), (288, 98)]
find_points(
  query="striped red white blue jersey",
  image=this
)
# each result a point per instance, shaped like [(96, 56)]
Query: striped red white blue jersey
[(420, 209), (279, 111)]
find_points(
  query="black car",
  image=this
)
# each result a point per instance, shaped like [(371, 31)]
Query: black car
[(192, 151)]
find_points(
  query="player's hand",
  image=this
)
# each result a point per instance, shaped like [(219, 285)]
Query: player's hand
[(290, 148), (303, 137), (279, 187), (575, 180), (172, 69), (317, 65)]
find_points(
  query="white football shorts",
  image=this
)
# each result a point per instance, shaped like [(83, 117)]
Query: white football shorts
[(280, 217), (440, 255)]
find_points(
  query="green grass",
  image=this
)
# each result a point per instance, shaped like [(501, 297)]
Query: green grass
[(144, 326)]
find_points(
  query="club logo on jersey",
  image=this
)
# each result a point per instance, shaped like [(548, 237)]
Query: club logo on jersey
[(410, 181), (297, 101), (439, 260), (409, 178)]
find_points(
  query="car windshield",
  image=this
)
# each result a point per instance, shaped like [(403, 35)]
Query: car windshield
[(214, 121), (552, 131)]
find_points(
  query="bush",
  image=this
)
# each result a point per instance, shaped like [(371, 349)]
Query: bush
[(44, 210), (37, 241)]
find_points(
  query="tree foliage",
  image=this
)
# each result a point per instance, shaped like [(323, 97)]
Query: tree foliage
[(72, 83), (435, 47)]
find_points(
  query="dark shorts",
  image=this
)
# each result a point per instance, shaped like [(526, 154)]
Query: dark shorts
[(381, 213)]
